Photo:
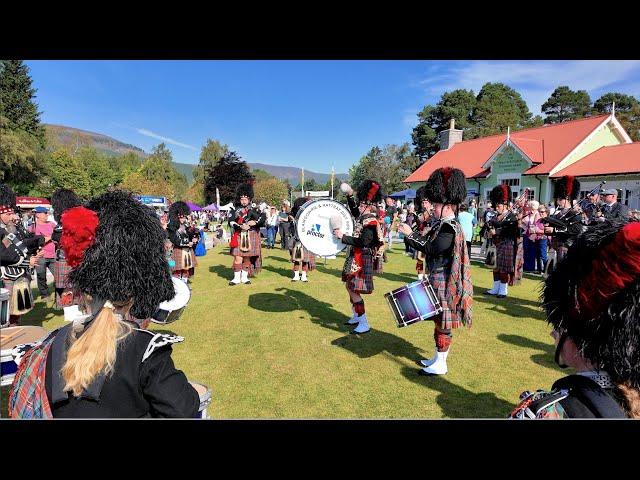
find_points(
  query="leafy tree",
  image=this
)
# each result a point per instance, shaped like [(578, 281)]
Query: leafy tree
[(17, 99), (210, 155), (158, 176), (65, 171), (565, 104), (389, 166), (227, 174), (270, 190), (627, 111), (499, 106), (261, 174), (98, 168), (457, 104), (195, 193), (125, 164), (21, 158)]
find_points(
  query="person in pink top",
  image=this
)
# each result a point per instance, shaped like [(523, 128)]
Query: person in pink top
[(45, 228)]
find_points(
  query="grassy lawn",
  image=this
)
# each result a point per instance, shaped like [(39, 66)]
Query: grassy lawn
[(277, 349)]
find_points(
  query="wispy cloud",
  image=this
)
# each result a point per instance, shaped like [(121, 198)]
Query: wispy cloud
[(149, 133), (534, 80)]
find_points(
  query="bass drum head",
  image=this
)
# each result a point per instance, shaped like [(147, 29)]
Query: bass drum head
[(314, 226), (178, 302)]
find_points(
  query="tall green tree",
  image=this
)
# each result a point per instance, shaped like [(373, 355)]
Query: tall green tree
[(17, 99), (457, 104), (21, 158), (565, 104), (210, 155), (63, 170), (227, 174), (499, 106), (389, 166), (627, 111)]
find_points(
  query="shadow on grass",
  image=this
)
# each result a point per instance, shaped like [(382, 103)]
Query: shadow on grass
[(40, 313), (458, 402), (545, 358), (222, 271), (512, 306), (376, 342), (285, 272), (289, 300)]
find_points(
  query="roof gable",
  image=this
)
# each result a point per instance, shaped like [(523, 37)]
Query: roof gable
[(611, 160)]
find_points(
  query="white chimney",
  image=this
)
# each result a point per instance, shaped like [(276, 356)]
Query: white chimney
[(448, 138)]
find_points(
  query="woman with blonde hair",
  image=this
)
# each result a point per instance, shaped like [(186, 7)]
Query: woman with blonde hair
[(101, 365)]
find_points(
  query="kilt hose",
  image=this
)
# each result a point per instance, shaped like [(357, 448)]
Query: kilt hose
[(361, 282), (254, 253)]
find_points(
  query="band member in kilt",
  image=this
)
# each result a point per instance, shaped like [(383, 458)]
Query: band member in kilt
[(591, 301), (362, 248), (565, 191), (100, 365), (447, 262), (19, 253), (62, 200), (245, 245), (505, 232), (424, 220), (181, 240), (301, 258)]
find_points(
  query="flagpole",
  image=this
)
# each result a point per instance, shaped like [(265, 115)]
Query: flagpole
[(333, 173), (302, 182)]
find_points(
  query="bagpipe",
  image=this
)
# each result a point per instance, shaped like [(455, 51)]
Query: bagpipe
[(510, 216), (569, 223), (242, 216)]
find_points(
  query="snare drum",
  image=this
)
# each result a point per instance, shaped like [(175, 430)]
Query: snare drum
[(171, 310), (315, 223), (9, 338), (205, 399), (4, 307), (413, 303)]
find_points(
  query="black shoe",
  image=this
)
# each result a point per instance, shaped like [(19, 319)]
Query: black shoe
[(248, 282), (353, 332), (501, 296), (233, 283), (487, 293), (425, 374)]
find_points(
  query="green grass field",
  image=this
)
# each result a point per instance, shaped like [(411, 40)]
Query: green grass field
[(277, 349)]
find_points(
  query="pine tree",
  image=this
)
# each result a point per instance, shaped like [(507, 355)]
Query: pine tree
[(228, 173), (565, 104), (17, 96)]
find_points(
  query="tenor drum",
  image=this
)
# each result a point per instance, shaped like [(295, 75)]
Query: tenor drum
[(315, 223), (413, 303), (205, 399), (171, 310), (11, 337)]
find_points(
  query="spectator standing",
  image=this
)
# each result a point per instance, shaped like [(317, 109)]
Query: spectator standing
[(391, 213), (44, 227), (283, 224), (272, 226), (467, 222)]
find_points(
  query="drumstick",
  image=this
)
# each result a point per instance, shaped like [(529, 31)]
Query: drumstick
[(17, 334)]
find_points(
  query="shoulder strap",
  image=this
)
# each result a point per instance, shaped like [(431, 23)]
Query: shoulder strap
[(594, 397)]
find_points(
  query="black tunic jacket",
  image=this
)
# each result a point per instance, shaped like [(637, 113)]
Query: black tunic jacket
[(143, 384)]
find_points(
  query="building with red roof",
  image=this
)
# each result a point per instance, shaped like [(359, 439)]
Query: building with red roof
[(593, 148)]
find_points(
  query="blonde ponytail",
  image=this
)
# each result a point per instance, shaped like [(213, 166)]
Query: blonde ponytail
[(94, 352)]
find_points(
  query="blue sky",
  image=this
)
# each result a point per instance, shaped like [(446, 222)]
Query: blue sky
[(311, 114)]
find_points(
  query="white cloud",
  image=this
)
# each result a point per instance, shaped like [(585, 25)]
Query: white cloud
[(149, 133), (534, 80)]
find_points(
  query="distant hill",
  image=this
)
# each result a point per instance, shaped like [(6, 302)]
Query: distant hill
[(293, 173), (74, 137)]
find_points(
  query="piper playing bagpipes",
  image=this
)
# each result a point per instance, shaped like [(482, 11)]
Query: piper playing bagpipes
[(423, 224), (181, 240), (245, 245), (19, 253), (362, 248), (505, 233), (447, 262), (566, 221)]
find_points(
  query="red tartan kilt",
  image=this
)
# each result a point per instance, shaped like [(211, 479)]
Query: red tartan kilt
[(255, 249), (60, 273), (362, 282), (177, 257), (307, 257), (446, 319), (505, 257)]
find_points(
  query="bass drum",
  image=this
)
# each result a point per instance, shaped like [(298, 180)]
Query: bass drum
[(315, 223)]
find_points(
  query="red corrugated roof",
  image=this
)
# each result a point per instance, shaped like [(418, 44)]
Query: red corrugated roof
[(546, 146), (611, 160)]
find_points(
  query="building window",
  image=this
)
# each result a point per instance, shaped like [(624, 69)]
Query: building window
[(512, 182), (531, 194)]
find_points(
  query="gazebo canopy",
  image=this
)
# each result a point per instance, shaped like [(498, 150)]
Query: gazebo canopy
[(408, 194), (194, 207), (212, 208)]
